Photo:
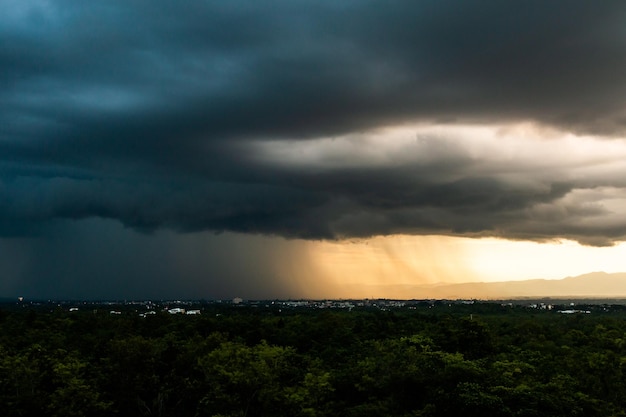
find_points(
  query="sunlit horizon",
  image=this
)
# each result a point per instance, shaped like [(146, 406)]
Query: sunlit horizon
[(428, 260)]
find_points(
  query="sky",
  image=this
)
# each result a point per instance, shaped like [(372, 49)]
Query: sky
[(299, 149)]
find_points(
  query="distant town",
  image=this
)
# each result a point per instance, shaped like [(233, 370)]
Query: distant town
[(145, 308)]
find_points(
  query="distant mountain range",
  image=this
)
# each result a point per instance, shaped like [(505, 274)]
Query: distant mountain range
[(592, 285)]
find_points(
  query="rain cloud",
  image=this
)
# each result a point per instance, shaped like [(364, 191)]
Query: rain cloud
[(316, 120)]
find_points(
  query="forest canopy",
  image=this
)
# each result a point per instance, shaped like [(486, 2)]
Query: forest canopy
[(430, 359)]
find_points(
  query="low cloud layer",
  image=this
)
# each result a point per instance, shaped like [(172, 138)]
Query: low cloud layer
[(320, 121)]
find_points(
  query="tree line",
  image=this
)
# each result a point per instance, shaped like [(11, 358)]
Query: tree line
[(443, 360)]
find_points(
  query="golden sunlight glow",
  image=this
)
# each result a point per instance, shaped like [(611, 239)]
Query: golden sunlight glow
[(503, 260), (390, 266), (394, 260)]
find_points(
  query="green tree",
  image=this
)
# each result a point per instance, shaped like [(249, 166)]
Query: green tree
[(249, 381), (74, 396)]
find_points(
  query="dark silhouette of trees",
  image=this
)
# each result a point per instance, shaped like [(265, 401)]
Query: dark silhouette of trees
[(430, 360)]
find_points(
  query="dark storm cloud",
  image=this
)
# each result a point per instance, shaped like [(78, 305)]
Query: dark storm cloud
[(149, 112)]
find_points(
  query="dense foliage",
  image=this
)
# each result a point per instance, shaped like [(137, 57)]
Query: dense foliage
[(431, 360)]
